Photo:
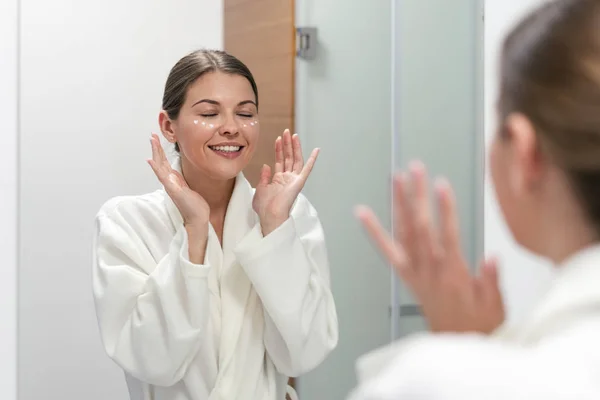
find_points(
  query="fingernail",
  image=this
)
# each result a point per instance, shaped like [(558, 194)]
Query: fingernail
[(359, 210), (441, 183), (416, 166)]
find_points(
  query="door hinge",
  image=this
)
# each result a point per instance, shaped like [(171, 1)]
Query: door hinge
[(407, 310), (306, 42)]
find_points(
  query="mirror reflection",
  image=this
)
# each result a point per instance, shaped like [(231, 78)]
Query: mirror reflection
[(221, 147), (209, 287)]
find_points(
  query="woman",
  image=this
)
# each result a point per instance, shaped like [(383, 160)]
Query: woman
[(207, 288), (545, 164)]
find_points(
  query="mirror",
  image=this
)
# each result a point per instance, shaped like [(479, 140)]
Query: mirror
[(373, 88)]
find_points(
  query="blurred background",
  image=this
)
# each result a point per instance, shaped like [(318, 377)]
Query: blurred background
[(373, 84)]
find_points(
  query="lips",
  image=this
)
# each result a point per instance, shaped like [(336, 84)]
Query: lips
[(228, 151), (226, 148)]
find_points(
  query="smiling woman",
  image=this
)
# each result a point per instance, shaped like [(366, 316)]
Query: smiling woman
[(218, 118), (209, 288)]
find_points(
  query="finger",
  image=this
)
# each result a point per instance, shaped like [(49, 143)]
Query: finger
[(490, 277), (155, 157), (152, 164), (298, 158), (424, 234), (160, 158), (403, 215), (265, 175), (156, 160), (161, 152), (310, 163), (449, 229), (391, 251), (278, 155), (288, 153), (173, 182), (405, 218), (478, 290)]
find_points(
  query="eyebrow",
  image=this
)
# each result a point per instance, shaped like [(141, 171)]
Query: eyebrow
[(216, 103)]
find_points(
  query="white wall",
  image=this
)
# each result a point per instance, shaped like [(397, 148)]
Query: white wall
[(92, 75), (8, 197), (523, 275)]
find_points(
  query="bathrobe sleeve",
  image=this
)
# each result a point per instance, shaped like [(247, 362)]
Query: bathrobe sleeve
[(151, 312), (471, 367), (289, 270)]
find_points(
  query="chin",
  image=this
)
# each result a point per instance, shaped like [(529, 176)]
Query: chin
[(230, 165), (227, 176), (226, 172)]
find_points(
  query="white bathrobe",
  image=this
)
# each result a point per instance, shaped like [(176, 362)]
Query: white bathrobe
[(259, 310), (554, 355)]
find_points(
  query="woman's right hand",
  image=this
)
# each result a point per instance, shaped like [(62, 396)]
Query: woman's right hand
[(193, 208), (429, 259)]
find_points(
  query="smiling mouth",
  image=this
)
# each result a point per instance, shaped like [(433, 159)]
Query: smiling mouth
[(226, 149)]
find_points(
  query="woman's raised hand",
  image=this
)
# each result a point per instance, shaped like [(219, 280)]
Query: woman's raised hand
[(193, 208), (276, 194), (428, 258)]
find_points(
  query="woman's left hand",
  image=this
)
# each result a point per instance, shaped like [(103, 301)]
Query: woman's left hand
[(276, 194)]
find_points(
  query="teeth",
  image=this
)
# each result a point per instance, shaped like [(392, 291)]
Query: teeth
[(230, 149)]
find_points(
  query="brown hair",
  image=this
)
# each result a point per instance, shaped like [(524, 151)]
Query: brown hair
[(192, 67), (550, 72)]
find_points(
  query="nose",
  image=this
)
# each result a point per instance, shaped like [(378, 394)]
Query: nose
[(230, 126)]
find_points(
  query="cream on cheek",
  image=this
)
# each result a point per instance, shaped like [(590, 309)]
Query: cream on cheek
[(251, 123), (204, 124), (250, 132)]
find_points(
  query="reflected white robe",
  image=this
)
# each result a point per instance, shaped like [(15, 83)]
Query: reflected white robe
[(554, 355), (259, 310)]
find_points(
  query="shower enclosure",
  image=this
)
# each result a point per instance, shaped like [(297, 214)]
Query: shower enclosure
[(377, 85)]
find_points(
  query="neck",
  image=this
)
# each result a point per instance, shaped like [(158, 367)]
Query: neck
[(217, 193), (564, 229), (567, 242)]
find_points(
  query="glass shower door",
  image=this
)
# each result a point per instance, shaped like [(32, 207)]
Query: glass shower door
[(343, 100), (437, 66), (389, 81)]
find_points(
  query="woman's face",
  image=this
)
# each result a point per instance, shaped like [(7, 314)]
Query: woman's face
[(217, 128)]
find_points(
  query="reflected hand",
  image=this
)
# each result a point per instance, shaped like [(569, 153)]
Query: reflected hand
[(429, 259), (193, 208), (276, 194)]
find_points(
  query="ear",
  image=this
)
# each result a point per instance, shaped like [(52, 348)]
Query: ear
[(527, 157), (167, 127)]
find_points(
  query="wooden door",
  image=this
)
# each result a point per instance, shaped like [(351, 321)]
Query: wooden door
[(261, 33)]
